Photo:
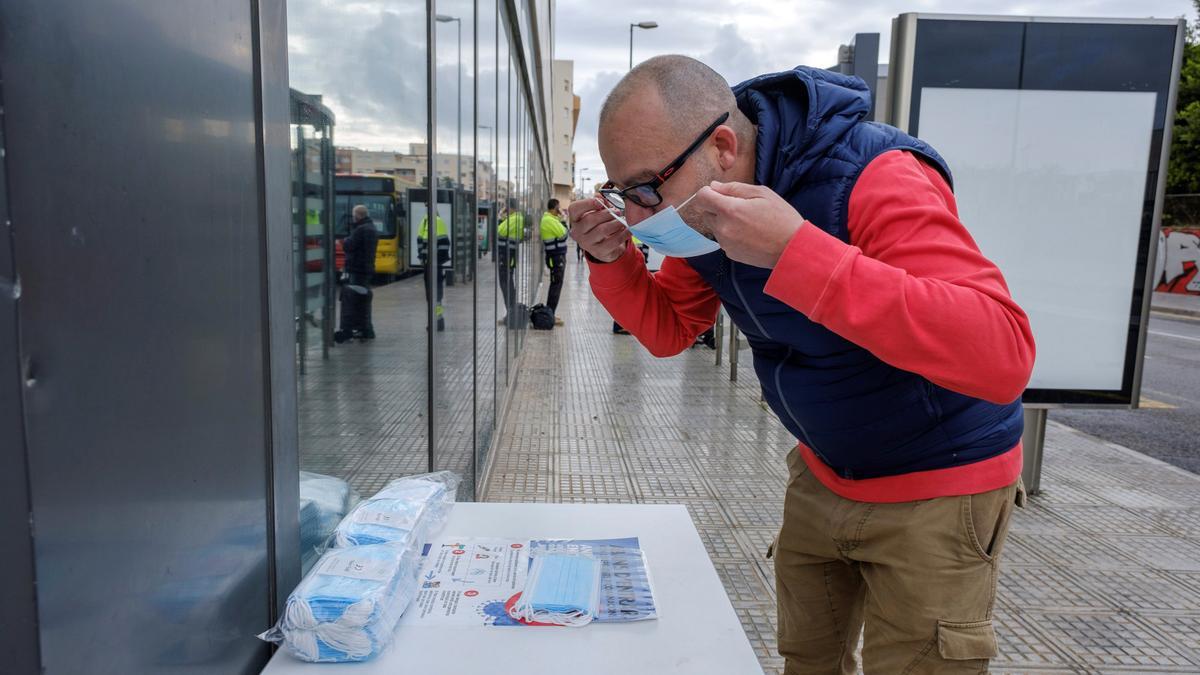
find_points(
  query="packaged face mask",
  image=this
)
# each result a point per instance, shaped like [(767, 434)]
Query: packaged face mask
[(666, 233), (562, 589)]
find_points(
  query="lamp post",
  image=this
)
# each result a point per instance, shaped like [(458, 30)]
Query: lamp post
[(442, 18), (645, 25), (583, 178)]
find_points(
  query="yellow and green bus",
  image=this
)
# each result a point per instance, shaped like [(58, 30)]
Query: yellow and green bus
[(385, 203)]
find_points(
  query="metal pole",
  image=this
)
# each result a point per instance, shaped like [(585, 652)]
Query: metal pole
[(719, 333), (631, 45), (473, 216), (430, 271), (1033, 441), (458, 168), (733, 351)]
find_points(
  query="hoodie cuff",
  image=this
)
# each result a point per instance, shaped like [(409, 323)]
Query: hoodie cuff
[(616, 275), (809, 266)]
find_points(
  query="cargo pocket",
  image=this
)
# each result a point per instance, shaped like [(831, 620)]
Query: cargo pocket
[(966, 641)]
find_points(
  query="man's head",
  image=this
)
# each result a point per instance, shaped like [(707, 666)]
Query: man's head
[(552, 206), (654, 113), (360, 213)]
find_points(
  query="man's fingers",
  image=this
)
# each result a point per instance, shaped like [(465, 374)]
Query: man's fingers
[(583, 207), (583, 226), (708, 199), (740, 190)]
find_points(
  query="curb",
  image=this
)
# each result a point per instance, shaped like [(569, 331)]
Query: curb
[(1176, 312)]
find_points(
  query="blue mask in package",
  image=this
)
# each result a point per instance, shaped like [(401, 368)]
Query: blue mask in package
[(561, 589), (666, 233)]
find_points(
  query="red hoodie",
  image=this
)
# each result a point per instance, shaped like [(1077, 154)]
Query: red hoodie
[(910, 262)]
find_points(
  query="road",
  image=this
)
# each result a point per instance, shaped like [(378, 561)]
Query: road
[(1168, 425)]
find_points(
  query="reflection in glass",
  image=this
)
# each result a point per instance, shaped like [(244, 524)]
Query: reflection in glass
[(363, 408), (312, 207), (468, 260), (486, 292), (455, 331)]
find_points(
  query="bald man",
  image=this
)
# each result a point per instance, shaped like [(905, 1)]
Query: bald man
[(360, 247), (884, 341)]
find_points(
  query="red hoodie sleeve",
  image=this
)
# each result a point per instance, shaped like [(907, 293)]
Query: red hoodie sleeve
[(665, 310), (911, 287)]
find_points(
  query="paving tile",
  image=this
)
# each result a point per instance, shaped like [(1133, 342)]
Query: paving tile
[(1102, 641), (704, 512), (755, 512), (1049, 588), (1086, 551), (1141, 590), (1021, 646), (670, 485), (1106, 520), (722, 544), (1164, 553), (1039, 519)]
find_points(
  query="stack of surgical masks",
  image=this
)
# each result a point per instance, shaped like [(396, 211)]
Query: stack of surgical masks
[(347, 606), (324, 501), (562, 589), (392, 515)]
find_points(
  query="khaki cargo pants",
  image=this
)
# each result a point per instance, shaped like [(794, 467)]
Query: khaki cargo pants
[(918, 579)]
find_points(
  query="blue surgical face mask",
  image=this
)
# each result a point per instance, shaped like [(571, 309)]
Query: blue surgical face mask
[(666, 233), (560, 589)]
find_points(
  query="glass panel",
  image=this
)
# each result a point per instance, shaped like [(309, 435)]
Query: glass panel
[(362, 397), (504, 261), (312, 168), (454, 295), (487, 295)]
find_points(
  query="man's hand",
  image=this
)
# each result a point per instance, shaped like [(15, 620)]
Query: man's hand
[(597, 231), (750, 222)]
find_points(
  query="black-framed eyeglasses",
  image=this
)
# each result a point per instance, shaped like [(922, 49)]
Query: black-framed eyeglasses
[(646, 194)]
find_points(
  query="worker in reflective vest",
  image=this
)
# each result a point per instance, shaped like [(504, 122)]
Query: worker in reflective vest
[(443, 256), (554, 241), (509, 233)]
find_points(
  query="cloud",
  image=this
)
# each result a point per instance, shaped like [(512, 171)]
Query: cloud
[(367, 57), (743, 38)]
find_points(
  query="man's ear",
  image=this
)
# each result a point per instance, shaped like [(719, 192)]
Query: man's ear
[(726, 142)]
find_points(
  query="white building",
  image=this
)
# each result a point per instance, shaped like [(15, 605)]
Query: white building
[(565, 109)]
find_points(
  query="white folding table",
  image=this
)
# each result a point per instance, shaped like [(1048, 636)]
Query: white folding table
[(697, 631)]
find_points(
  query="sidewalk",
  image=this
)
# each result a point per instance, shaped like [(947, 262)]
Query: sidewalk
[(1176, 303), (1102, 571)]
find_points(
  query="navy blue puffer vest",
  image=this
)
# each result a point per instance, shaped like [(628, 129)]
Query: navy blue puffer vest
[(859, 415)]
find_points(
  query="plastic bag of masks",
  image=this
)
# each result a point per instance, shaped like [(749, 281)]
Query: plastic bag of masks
[(347, 606), (324, 501)]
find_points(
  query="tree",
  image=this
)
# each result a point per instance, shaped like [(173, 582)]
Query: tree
[(1183, 170)]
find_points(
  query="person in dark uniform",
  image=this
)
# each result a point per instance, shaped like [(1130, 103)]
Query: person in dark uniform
[(359, 247)]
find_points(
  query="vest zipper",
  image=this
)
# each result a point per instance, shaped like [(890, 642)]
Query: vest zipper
[(788, 409), (745, 305)]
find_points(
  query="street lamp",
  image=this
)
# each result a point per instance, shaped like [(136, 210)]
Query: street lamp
[(584, 179), (645, 25), (442, 18)]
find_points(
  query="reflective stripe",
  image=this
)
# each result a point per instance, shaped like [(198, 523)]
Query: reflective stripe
[(555, 245)]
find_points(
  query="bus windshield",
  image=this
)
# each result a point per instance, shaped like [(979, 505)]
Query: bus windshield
[(380, 208)]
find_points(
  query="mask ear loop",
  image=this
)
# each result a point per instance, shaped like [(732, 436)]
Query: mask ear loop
[(685, 202), (619, 217)]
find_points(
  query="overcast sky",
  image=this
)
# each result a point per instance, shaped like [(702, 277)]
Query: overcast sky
[(743, 38), (367, 57)]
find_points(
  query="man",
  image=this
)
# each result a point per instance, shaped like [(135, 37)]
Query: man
[(443, 256), (554, 244), (509, 234), (882, 338), (359, 248)]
